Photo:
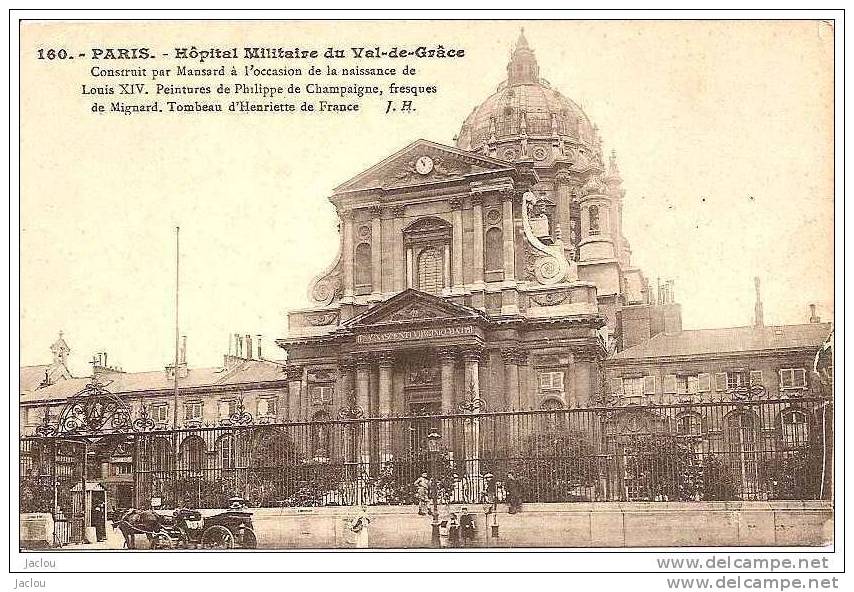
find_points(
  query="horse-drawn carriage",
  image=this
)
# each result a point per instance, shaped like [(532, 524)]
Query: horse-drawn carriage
[(188, 529)]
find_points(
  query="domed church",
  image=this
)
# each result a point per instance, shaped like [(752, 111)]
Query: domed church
[(493, 273)]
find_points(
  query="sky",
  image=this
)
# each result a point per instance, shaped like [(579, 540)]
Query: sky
[(723, 131)]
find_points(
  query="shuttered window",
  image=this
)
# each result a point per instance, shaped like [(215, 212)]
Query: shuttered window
[(633, 387), (649, 385), (705, 382), (793, 378), (669, 386), (720, 381), (551, 381)]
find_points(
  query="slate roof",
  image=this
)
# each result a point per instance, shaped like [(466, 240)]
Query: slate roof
[(246, 372), (732, 340), (32, 376)]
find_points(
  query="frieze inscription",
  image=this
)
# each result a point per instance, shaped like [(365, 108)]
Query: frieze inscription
[(414, 334)]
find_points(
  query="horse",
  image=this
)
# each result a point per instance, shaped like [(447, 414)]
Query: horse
[(134, 521)]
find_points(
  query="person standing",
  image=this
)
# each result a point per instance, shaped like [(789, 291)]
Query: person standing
[(467, 528), (422, 492), (453, 531), (359, 526), (514, 493), (490, 487)]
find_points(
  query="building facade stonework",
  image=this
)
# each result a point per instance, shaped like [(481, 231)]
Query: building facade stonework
[(490, 270)]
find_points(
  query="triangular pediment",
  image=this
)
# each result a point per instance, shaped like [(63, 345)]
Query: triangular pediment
[(446, 164), (412, 307)]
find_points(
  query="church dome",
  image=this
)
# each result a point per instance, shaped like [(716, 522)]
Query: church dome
[(525, 105)]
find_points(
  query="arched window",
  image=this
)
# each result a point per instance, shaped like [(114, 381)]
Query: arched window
[(430, 271), (271, 448), (427, 246), (193, 454), (494, 250), (225, 451), (363, 269), (741, 437), (161, 454), (557, 419), (593, 212), (795, 428)]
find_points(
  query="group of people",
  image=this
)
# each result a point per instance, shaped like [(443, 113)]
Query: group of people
[(511, 484)]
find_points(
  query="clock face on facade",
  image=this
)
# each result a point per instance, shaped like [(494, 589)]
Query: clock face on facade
[(424, 165)]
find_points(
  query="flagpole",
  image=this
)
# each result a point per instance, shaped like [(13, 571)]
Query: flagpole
[(175, 372), (177, 339)]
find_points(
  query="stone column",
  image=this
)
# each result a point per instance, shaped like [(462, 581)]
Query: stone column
[(398, 256), (511, 379), (563, 194), (457, 244), (446, 267), (509, 236), (376, 252), (472, 359), (447, 357), (471, 404), (386, 364), (585, 375), (363, 400), (363, 393), (347, 255), (410, 269), (294, 406), (385, 360), (477, 221)]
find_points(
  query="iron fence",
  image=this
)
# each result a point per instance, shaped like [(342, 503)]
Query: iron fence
[(737, 450)]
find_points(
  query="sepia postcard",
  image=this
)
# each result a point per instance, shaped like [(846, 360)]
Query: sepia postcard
[(430, 284)]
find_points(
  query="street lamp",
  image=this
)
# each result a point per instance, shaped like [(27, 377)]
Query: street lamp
[(433, 439)]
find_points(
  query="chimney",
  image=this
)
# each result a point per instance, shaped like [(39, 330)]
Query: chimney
[(99, 365), (814, 318), (248, 347), (182, 359), (259, 346), (238, 345), (758, 320)]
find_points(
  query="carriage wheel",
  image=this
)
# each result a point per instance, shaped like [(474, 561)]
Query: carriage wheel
[(250, 541), (162, 540), (217, 537)]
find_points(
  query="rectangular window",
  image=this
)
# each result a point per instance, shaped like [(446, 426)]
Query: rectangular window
[(322, 394), (793, 378), (123, 468), (615, 386), (633, 387), (704, 382), (755, 377), (736, 379), (649, 385), (720, 381), (669, 386), (160, 412), (227, 408), (193, 411), (551, 381), (267, 407)]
